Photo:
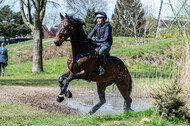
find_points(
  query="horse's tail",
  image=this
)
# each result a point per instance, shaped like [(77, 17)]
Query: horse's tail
[(130, 85)]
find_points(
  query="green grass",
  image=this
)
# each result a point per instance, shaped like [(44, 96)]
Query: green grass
[(21, 72), (21, 115), (154, 47), (18, 72)]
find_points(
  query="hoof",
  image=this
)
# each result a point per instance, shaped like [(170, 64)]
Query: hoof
[(59, 98), (129, 109), (91, 112), (68, 94)]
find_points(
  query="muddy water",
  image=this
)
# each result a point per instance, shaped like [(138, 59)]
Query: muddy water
[(113, 105)]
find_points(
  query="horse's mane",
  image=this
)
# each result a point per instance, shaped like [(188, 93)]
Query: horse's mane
[(80, 23)]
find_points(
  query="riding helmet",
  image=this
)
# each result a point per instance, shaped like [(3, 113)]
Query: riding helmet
[(101, 14)]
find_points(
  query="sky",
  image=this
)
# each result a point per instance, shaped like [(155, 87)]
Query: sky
[(152, 5)]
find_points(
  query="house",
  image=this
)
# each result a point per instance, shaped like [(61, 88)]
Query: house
[(46, 32)]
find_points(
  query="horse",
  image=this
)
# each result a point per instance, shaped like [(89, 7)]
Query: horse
[(83, 64)]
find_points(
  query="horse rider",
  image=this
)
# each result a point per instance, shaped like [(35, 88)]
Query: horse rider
[(3, 58), (103, 33)]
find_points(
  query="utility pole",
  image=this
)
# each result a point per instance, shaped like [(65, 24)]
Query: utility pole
[(175, 19), (158, 21)]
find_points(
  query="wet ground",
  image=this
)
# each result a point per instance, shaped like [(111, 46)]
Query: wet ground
[(43, 98), (113, 105)]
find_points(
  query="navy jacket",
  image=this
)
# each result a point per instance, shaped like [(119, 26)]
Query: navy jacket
[(107, 35), (3, 55)]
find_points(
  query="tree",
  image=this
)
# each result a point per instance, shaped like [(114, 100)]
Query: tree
[(80, 7), (52, 32), (21, 29), (6, 22), (128, 18), (90, 20), (118, 30), (35, 24), (11, 24)]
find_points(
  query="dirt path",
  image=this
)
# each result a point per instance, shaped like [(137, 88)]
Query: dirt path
[(41, 98)]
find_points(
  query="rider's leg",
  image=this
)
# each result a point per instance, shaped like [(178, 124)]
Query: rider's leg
[(104, 49)]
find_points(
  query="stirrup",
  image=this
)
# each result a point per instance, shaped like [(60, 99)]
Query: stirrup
[(101, 71)]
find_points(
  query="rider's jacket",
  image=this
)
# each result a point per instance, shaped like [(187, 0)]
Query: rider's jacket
[(103, 33)]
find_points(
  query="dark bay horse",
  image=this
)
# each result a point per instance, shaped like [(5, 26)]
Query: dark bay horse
[(83, 64)]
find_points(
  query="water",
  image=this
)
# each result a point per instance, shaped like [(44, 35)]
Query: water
[(113, 105)]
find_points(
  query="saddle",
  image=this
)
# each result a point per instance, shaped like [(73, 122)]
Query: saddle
[(96, 50)]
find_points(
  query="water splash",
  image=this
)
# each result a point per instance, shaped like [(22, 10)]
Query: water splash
[(113, 105)]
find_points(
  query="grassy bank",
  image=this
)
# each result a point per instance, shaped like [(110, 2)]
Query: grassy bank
[(156, 72), (154, 58)]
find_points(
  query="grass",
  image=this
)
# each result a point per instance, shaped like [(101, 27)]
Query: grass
[(21, 115), (153, 47), (19, 73), (145, 75), (135, 57)]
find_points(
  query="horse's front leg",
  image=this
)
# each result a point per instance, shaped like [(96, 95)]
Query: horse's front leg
[(62, 78), (60, 97)]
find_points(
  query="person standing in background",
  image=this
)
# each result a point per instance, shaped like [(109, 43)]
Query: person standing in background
[(3, 58)]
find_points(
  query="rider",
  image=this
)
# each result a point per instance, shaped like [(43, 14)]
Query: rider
[(103, 32)]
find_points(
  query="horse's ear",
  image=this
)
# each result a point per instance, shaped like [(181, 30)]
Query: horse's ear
[(67, 16), (62, 17)]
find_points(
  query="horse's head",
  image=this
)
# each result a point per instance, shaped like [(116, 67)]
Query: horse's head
[(65, 29)]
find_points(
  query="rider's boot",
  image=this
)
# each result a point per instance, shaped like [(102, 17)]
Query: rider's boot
[(3, 74), (101, 62)]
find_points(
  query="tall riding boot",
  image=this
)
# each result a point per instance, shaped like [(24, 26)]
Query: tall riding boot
[(101, 65), (3, 74)]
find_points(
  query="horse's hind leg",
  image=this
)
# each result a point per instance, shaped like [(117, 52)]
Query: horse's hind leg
[(101, 87), (125, 86)]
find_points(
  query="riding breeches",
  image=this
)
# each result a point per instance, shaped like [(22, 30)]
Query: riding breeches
[(104, 48)]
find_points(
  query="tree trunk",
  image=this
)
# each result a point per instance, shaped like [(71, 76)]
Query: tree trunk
[(37, 46), (5, 39), (37, 52), (9, 40), (36, 26)]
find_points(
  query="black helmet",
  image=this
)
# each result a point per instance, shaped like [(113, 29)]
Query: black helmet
[(101, 14)]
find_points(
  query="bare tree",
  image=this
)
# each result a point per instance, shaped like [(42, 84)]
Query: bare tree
[(80, 7), (150, 24), (51, 19), (136, 21), (34, 22), (143, 18)]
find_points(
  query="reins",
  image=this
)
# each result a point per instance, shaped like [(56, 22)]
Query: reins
[(78, 40)]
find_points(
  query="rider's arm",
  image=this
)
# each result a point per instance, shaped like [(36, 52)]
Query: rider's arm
[(92, 33), (106, 35)]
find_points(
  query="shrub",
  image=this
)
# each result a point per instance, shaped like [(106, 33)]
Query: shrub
[(170, 100)]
